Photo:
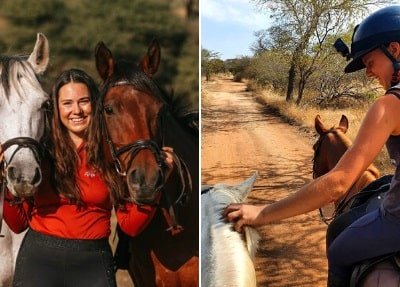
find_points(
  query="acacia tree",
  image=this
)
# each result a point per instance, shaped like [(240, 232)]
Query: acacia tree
[(306, 25), (209, 63)]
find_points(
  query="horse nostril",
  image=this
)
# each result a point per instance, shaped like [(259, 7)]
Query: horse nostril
[(37, 178), (134, 176), (11, 173)]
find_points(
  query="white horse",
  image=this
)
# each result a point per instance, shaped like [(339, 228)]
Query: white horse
[(226, 255), (22, 124)]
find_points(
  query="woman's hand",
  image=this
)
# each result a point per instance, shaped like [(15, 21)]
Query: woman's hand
[(168, 156), (244, 214)]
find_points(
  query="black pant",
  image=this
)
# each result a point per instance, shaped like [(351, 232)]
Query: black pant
[(48, 261)]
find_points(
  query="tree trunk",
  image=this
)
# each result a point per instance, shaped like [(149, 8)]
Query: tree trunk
[(302, 84), (291, 78)]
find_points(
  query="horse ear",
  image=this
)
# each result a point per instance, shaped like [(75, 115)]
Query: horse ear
[(39, 58), (104, 61), (319, 126), (150, 62), (344, 123), (245, 187)]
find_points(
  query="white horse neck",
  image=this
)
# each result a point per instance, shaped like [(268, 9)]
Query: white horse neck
[(226, 259)]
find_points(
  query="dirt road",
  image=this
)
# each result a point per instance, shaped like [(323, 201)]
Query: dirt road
[(239, 136)]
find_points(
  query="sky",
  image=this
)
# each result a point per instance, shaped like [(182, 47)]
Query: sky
[(228, 26)]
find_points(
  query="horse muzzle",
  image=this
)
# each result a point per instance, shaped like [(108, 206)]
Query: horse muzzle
[(22, 183), (144, 188)]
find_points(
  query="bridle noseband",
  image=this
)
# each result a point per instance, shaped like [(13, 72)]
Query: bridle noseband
[(23, 142)]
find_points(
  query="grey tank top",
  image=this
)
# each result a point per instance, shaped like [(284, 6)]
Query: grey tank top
[(391, 202)]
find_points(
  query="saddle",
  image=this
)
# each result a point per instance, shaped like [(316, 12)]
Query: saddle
[(360, 204), (389, 264), (367, 200)]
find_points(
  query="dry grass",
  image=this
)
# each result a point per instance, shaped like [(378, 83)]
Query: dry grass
[(304, 117)]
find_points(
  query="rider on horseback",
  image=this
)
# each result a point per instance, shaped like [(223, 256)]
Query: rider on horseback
[(376, 47)]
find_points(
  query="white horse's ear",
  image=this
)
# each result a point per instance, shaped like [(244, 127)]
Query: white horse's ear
[(245, 187), (39, 58)]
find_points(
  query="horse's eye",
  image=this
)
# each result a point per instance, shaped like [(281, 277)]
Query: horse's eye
[(19, 76), (108, 110), (47, 105)]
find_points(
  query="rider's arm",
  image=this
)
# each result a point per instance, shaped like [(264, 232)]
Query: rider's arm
[(379, 123), (15, 215)]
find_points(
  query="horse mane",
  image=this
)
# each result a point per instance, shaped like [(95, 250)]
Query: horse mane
[(9, 74), (226, 254), (223, 196)]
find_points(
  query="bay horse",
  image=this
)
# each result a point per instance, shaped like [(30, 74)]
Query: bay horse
[(138, 120), (330, 146), (23, 106), (226, 255), (328, 149)]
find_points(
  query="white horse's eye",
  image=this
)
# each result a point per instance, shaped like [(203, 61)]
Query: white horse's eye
[(19, 76), (47, 105)]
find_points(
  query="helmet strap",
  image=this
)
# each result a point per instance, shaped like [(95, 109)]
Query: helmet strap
[(396, 66)]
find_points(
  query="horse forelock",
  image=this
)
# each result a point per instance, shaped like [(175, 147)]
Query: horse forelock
[(23, 96), (12, 68)]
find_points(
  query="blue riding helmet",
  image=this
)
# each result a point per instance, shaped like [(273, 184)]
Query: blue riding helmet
[(376, 31)]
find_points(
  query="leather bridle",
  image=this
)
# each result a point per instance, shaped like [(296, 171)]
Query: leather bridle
[(135, 147), (20, 142)]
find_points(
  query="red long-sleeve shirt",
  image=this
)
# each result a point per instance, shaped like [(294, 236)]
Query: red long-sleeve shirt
[(55, 215)]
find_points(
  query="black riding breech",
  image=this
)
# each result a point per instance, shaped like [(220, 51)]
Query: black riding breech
[(49, 261)]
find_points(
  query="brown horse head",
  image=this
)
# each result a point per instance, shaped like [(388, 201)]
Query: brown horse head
[(133, 112), (329, 148)]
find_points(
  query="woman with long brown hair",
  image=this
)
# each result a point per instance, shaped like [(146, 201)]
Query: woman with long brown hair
[(69, 216)]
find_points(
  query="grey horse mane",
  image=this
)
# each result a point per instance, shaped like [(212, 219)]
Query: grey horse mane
[(11, 67)]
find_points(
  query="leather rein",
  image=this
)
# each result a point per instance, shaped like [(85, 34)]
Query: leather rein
[(135, 147)]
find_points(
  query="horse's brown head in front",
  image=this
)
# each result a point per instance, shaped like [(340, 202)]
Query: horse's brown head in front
[(330, 146), (132, 112)]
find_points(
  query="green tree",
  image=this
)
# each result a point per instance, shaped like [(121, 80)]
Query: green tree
[(74, 27), (239, 67), (208, 67), (306, 24)]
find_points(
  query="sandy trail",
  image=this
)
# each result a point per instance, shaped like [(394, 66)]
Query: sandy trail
[(240, 136)]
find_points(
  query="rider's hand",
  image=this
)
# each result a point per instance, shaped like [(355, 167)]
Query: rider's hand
[(167, 155), (244, 214)]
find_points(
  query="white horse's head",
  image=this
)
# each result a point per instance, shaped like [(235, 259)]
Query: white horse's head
[(226, 255), (22, 117)]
